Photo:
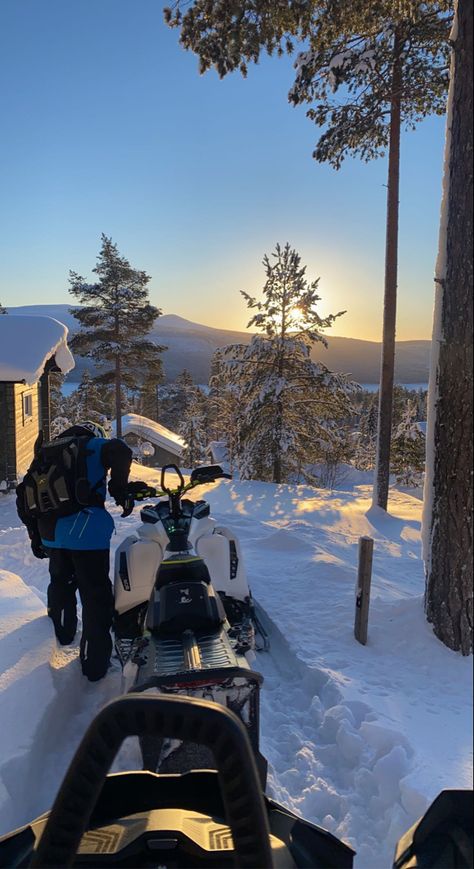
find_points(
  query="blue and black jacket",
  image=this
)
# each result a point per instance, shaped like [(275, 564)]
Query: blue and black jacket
[(91, 527)]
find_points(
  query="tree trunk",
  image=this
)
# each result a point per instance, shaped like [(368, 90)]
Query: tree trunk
[(118, 397), (448, 596), (384, 432), (277, 469)]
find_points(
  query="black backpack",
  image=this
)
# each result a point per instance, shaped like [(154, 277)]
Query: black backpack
[(56, 482)]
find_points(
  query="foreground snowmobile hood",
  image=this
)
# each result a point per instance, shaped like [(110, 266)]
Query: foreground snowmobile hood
[(184, 837), (201, 818)]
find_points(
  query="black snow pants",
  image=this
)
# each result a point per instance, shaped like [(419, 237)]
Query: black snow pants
[(87, 572)]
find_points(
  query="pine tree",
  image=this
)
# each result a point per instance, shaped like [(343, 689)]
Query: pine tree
[(286, 398), (225, 409), (61, 407), (365, 447), (408, 449), (115, 319), (56, 396), (388, 62), (182, 408), (149, 404), (165, 397), (192, 430), (185, 387), (448, 512), (173, 400), (92, 401), (337, 449)]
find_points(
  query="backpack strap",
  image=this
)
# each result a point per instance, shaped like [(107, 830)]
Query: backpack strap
[(38, 443)]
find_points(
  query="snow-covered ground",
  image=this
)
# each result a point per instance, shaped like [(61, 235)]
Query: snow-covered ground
[(359, 739)]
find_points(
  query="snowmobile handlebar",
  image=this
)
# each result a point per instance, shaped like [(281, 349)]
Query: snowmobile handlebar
[(138, 490), (199, 476)]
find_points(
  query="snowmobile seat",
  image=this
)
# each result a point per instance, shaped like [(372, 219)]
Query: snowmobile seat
[(187, 569), (184, 606)]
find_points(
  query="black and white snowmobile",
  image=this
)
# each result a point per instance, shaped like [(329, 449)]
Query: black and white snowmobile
[(203, 818), (184, 617)]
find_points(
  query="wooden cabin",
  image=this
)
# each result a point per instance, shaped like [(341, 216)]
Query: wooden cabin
[(30, 348), (168, 447)]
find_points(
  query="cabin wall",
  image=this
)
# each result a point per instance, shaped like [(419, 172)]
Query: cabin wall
[(26, 424), (7, 433), (164, 457)]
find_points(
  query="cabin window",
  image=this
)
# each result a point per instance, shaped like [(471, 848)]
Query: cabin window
[(27, 406)]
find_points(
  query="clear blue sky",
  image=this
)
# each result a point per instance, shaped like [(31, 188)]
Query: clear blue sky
[(107, 127)]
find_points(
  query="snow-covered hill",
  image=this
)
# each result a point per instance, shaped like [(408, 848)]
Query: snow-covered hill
[(191, 345), (358, 739)]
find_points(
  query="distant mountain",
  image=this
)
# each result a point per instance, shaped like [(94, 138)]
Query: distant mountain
[(191, 345)]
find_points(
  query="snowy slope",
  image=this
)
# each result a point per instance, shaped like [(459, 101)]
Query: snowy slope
[(191, 345), (358, 738)]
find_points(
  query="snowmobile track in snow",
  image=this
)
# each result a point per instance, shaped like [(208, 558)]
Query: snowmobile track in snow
[(328, 760)]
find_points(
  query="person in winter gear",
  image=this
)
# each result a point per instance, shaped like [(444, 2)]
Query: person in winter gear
[(62, 503)]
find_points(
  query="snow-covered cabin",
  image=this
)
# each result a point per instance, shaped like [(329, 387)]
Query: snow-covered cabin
[(30, 348), (218, 454), (168, 446)]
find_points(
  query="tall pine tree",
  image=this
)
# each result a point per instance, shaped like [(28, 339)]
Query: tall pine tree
[(448, 512), (287, 400), (116, 318), (387, 61)]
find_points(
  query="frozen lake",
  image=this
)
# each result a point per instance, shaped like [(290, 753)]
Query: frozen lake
[(418, 387), (69, 387)]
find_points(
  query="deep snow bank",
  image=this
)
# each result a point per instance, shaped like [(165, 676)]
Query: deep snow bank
[(26, 680)]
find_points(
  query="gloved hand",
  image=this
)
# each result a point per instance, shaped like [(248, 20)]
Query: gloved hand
[(127, 501), (136, 490), (37, 548)]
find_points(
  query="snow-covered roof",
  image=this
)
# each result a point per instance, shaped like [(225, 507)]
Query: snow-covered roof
[(26, 344), (219, 451), (151, 431)]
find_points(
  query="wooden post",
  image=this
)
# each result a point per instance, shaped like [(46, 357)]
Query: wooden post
[(366, 549)]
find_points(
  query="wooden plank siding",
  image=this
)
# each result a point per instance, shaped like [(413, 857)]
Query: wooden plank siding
[(26, 426), (7, 432)]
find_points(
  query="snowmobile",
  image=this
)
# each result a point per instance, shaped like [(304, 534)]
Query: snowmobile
[(184, 617), (202, 818)]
